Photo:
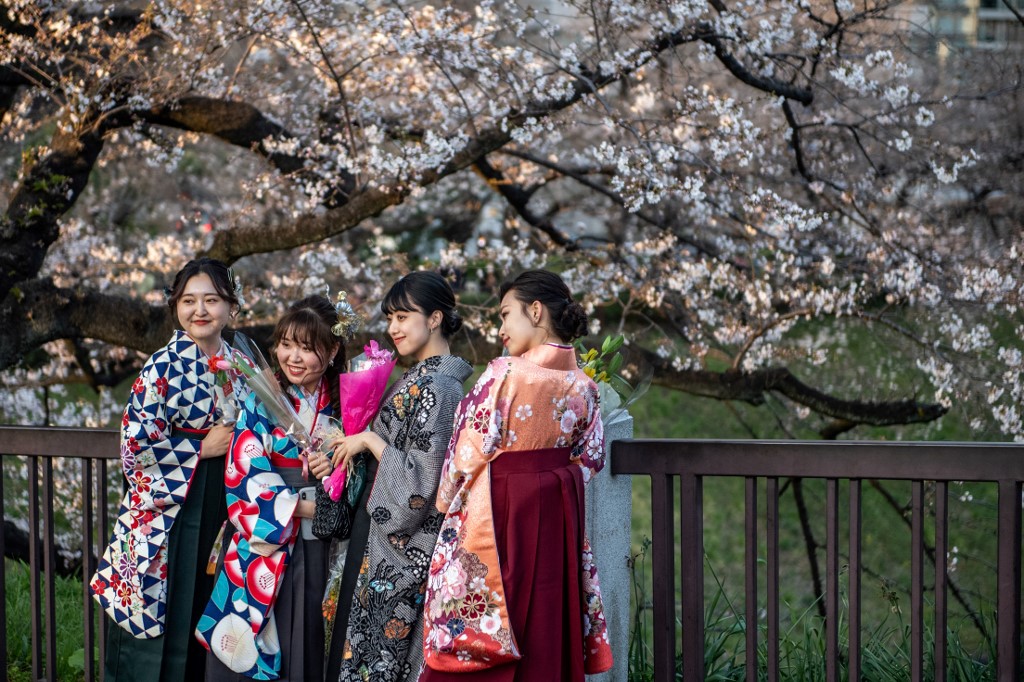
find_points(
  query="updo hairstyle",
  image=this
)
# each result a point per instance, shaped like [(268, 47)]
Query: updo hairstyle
[(568, 319)]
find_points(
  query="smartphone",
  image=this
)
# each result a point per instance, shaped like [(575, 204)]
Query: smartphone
[(306, 525)]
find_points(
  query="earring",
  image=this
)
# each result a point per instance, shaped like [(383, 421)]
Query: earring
[(331, 363)]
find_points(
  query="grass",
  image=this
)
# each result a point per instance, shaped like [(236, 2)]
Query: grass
[(885, 649), (70, 636)]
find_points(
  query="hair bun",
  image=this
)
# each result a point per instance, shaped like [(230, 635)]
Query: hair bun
[(452, 322), (575, 320)]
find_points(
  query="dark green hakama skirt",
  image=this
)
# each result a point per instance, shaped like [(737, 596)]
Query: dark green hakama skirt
[(177, 655)]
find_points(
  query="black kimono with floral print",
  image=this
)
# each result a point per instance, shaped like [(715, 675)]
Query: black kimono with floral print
[(385, 627)]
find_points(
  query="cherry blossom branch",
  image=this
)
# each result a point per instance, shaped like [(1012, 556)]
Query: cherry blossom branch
[(707, 34), (236, 122), (231, 244)]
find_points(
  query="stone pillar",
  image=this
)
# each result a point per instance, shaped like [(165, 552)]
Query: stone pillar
[(609, 501)]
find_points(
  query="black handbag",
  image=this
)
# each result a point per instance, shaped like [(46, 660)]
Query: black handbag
[(333, 519)]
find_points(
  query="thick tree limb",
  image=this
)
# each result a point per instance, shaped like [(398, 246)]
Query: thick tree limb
[(235, 122), (707, 34), (43, 312), (752, 387), (51, 186), (519, 199)]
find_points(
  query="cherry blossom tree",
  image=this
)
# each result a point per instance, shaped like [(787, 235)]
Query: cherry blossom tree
[(742, 186)]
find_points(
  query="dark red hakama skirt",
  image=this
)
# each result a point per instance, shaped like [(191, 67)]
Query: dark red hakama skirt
[(539, 518)]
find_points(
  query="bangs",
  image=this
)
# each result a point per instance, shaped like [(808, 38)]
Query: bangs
[(399, 299), (300, 334), (304, 327)]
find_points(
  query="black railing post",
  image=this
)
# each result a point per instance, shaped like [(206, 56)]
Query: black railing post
[(832, 580), (691, 540), (1008, 582), (663, 583), (101, 540), (917, 581), (750, 573), (33, 563), (50, 572), (854, 580), (771, 497), (941, 577), (88, 622)]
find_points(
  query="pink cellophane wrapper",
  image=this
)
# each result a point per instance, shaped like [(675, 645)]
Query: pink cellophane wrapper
[(360, 392)]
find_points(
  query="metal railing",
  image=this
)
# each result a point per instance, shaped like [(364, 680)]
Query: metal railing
[(42, 447), (942, 463), (663, 461)]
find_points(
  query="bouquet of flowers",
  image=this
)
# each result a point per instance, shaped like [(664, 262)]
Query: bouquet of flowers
[(263, 383), (224, 372), (360, 390), (620, 382)]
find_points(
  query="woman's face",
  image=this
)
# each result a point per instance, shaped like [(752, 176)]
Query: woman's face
[(202, 312), (519, 330), (299, 362), (410, 332)]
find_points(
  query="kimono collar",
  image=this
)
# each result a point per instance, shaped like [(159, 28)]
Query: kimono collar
[(192, 356), (449, 365), (553, 356)]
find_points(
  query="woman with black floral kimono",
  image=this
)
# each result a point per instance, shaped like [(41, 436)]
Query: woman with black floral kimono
[(377, 627)]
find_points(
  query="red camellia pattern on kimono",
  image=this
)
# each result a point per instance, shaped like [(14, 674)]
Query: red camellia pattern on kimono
[(238, 625)]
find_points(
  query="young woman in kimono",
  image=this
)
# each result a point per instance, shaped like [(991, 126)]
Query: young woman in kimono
[(152, 577), (263, 619), (378, 625), (527, 438)]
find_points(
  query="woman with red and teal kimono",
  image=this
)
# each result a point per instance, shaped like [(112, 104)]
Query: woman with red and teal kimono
[(263, 620), (152, 579), (527, 438)]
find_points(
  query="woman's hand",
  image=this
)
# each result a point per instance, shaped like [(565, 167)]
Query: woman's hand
[(320, 464), (215, 443), (305, 509), (347, 447)]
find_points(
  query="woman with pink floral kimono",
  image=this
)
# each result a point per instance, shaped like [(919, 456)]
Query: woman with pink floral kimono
[(527, 438)]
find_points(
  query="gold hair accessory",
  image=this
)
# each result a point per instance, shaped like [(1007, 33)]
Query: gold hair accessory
[(348, 321)]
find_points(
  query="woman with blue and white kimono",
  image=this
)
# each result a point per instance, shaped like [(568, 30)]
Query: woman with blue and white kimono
[(152, 579), (263, 620)]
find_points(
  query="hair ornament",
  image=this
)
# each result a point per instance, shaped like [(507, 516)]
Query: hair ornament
[(236, 283), (168, 292), (348, 321)]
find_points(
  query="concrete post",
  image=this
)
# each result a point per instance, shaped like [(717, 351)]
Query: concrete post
[(609, 502)]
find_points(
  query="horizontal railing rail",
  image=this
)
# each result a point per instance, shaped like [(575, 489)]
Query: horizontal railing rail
[(690, 461), (44, 447)]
